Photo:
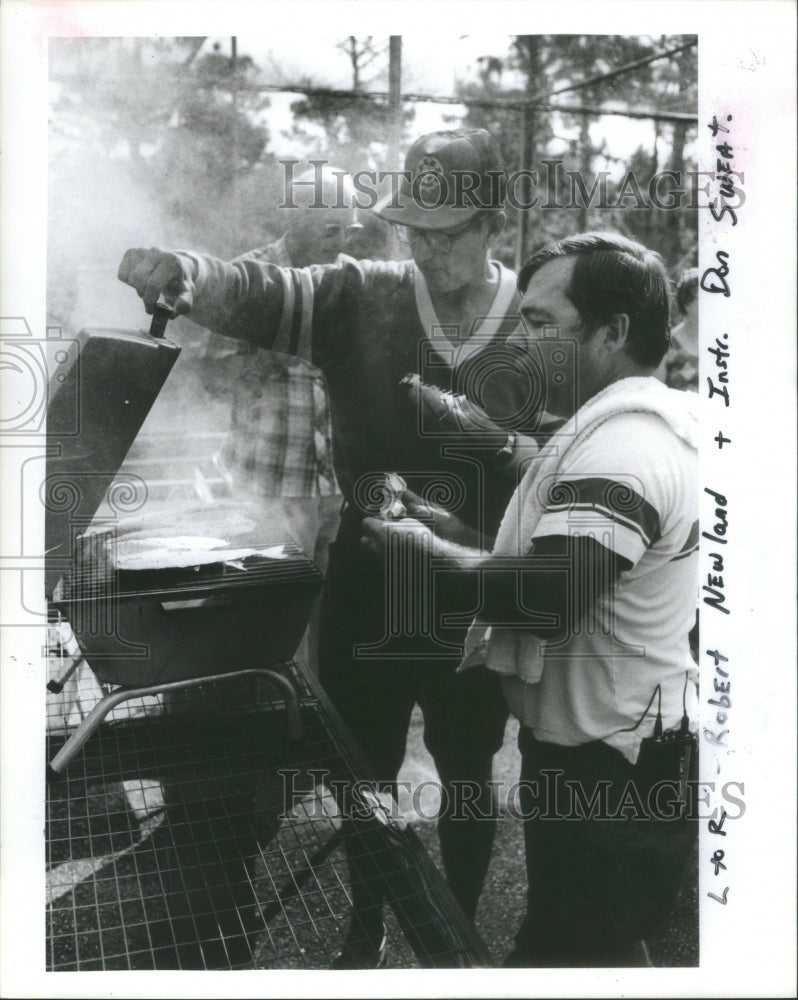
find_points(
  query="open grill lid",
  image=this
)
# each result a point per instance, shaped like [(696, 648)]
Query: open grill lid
[(105, 385)]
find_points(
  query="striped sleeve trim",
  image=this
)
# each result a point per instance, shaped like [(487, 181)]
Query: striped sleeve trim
[(691, 544), (303, 344), (609, 498), (296, 320), (282, 342)]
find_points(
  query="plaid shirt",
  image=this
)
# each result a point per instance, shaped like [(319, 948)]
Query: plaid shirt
[(281, 433)]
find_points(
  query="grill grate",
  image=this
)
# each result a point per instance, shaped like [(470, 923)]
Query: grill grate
[(94, 573), (194, 834)]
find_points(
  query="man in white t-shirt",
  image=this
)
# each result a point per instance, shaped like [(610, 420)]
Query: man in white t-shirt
[(588, 597)]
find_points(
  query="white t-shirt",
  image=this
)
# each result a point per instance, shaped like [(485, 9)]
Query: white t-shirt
[(633, 486)]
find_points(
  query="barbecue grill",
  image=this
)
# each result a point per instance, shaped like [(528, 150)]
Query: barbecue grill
[(156, 625), (191, 614)]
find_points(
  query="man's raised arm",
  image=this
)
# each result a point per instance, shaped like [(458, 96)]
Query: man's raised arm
[(246, 299)]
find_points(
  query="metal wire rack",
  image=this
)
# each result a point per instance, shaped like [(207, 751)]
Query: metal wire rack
[(193, 832)]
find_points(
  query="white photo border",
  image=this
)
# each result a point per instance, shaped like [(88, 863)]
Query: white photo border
[(746, 71)]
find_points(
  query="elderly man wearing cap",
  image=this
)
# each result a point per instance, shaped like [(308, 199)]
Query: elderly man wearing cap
[(444, 317)]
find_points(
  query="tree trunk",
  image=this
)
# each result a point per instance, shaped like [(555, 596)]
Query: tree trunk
[(672, 217)]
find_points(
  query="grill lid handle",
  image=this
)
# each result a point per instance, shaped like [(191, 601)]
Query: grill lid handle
[(162, 312)]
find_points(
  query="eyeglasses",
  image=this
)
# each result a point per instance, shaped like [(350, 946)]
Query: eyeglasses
[(441, 241), (335, 229)]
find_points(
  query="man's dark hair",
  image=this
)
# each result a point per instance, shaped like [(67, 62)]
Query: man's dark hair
[(686, 289), (612, 275)]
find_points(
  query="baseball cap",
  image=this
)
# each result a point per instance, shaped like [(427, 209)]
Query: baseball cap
[(448, 176)]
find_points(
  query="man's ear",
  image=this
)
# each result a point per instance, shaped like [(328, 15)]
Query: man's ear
[(496, 223), (616, 331)]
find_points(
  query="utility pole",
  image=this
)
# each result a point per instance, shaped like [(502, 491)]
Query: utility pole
[(527, 154), (234, 101), (394, 99), (527, 46)]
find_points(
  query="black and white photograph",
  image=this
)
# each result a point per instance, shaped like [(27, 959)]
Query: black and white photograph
[(389, 603)]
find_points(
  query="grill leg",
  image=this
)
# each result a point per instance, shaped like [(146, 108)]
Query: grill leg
[(56, 684)]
